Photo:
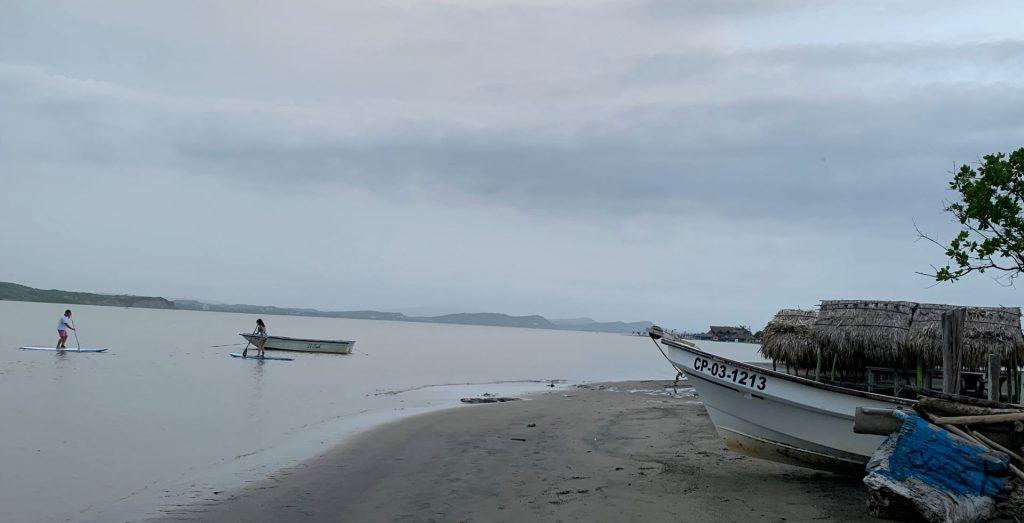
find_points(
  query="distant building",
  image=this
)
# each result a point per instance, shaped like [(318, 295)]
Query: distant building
[(721, 333)]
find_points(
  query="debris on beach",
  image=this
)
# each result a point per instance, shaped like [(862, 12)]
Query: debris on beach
[(488, 399), (955, 460)]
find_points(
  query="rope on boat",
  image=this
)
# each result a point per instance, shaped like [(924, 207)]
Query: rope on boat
[(656, 333)]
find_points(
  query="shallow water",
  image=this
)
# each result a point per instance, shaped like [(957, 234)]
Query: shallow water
[(164, 419)]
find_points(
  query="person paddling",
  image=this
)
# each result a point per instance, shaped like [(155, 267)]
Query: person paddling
[(261, 334), (62, 329)]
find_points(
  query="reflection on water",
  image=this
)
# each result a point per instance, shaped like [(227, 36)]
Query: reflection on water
[(257, 388), (163, 417)]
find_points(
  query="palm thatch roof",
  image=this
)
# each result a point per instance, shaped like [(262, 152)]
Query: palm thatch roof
[(787, 338), (986, 330), (858, 333)]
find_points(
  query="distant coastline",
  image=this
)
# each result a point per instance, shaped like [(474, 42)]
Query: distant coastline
[(16, 292)]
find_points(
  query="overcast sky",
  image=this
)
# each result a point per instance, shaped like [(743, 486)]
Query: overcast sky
[(689, 162)]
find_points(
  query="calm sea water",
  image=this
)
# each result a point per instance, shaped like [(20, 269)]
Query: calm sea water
[(164, 419)]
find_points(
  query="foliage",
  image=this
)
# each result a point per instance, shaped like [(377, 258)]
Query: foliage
[(990, 215)]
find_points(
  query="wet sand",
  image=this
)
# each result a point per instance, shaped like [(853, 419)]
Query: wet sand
[(593, 453)]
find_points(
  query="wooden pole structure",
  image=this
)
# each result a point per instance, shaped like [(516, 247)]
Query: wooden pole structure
[(1020, 386), (1016, 379), (952, 349), (1011, 380), (994, 372), (1015, 373), (817, 368)]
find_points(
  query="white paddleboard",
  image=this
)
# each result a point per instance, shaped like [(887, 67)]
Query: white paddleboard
[(239, 355), (72, 349)]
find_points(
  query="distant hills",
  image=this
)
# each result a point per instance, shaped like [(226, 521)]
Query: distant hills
[(572, 321), (15, 292)]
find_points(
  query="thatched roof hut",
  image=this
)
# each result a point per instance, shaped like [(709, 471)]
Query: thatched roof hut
[(986, 329), (788, 339), (860, 331)]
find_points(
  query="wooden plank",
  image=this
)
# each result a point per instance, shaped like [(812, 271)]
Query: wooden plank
[(956, 408), (979, 420), (966, 399)]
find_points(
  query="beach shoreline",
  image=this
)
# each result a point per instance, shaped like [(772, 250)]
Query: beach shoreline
[(600, 452)]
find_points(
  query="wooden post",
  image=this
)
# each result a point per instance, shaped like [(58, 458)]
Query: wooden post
[(994, 372), (1015, 385), (1017, 382), (1012, 380), (835, 360), (920, 373), (817, 368), (1020, 386), (952, 349)]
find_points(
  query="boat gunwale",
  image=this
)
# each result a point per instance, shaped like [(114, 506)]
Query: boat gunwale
[(789, 377), (247, 335)]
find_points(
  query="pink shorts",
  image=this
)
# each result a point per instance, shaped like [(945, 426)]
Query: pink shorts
[(62, 333)]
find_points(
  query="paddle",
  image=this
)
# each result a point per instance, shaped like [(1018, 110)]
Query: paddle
[(75, 330), (249, 341)]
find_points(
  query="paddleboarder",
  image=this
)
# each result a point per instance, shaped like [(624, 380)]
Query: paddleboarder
[(62, 329), (261, 333)]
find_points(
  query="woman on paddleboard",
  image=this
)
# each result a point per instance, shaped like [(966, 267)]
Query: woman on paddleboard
[(261, 334), (62, 329)]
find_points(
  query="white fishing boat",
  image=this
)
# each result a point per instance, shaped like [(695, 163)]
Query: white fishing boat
[(791, 419), (776, 416), (303, 344)]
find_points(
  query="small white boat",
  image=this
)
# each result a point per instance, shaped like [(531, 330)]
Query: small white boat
[(777, 416), (302, 344), (784, 417)]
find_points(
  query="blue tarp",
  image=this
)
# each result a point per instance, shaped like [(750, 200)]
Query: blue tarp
[(929, 454)]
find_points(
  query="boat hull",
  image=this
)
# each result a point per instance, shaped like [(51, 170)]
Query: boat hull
[(304, 345), (775, 416)]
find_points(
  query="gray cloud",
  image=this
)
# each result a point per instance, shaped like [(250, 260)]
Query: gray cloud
[(704, 11), (530, 155), (846, 156), (969, 61), (724, 9)]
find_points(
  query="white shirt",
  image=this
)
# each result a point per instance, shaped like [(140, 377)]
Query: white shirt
[(62, 323)]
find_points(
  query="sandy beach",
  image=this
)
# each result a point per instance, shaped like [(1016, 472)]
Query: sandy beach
[(614, 452)]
